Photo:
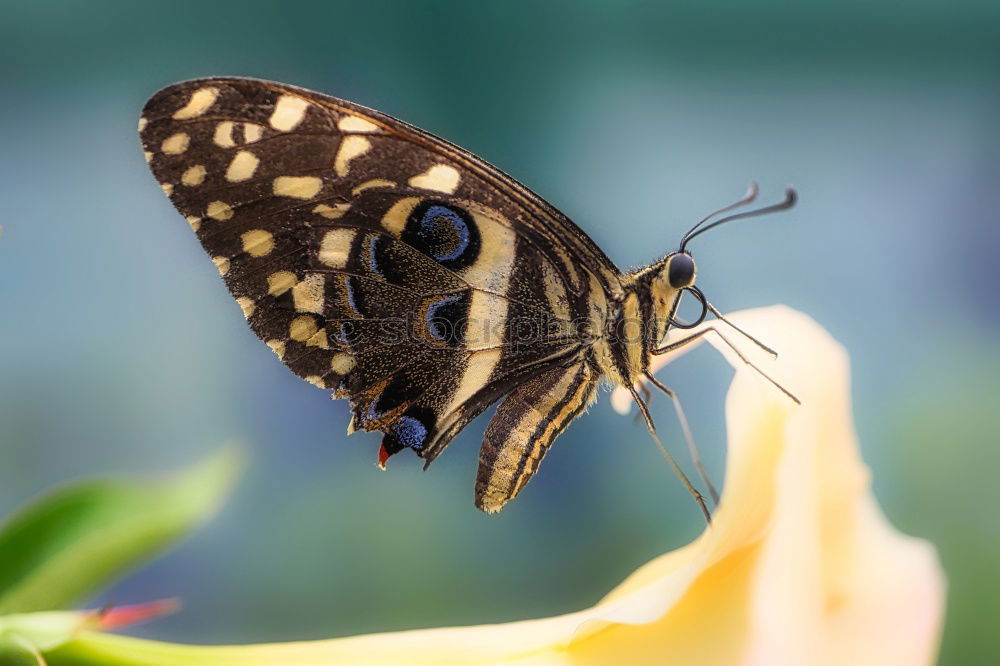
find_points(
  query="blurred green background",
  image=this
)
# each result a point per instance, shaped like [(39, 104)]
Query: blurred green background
[(120, 350)]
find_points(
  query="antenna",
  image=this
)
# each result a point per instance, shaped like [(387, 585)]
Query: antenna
[(790, 198), (746, 198)]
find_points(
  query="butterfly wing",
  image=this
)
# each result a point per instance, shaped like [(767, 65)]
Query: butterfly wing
[(524, 427), (375, 259)]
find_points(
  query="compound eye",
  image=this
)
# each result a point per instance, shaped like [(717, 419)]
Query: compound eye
[(680, 271)]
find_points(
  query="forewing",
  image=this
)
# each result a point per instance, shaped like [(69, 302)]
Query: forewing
[(372, 257)]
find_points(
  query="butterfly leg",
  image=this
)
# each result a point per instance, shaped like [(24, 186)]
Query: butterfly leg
[(689, 438), (691, 338), (524, 427), (644, 410), (647, 397)]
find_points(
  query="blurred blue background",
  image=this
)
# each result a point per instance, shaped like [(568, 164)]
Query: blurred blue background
[(120, 350)]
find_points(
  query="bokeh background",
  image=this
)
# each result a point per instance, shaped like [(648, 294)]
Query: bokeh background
[(121, 352)]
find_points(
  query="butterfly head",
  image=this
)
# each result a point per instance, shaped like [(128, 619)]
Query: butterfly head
[(680, 270), (672, 276), (663, 283)]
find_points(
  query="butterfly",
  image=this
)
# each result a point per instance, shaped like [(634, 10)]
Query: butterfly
[(409, 276)]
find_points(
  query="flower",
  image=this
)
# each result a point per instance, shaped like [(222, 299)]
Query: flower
[(798, 567)]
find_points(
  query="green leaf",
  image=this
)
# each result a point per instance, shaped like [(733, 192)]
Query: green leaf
[(65, 546), (14, 653), (38, 631)]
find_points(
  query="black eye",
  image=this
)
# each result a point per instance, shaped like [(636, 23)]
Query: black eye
[(681, 270)]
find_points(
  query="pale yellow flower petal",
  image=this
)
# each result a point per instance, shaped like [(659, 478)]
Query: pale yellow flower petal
[(833, 582)]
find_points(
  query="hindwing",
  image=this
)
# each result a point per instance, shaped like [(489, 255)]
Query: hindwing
[(524, 427), (373, 258)]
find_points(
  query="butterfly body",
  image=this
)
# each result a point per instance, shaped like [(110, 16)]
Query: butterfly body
[(402, 272)]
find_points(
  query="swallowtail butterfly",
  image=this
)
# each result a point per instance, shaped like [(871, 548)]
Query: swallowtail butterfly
[(406, 274)]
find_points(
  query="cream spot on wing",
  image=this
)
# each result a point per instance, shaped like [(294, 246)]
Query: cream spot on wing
[(351, 147), (492, 269), (242, 167), (148, 155), (142, 123), (195, 222), (223, 136), (246, 305), (394, 220), (193, 176), (297, 187), (302, 328), (280, 282), (315, 380), (175, 144), (219, 210), (335, 247), (374, 182), (484, 326), (167, 188), (440, 177), (475, 375), (356, 124), (277, 346), (222, 264), (332, 212), (288, 112), (318, 339), (307, 295), (252, 132), (201, 99), (342, 363), (258, 243)]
